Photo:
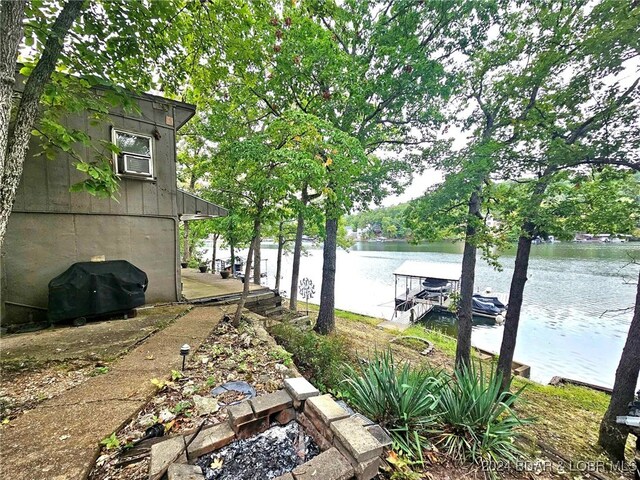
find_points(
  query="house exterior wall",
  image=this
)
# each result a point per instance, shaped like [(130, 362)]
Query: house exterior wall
[(51, 228), (44, 245)]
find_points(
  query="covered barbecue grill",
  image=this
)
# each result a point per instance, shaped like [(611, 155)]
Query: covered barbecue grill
[(90, 289)]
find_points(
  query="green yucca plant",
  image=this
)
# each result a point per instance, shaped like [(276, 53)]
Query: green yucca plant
[(475, 421), (398, 397), (465, 415)]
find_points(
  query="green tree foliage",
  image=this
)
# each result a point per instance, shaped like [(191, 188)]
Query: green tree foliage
[(389, 219), (576, 108), (68, 51), (546, 94), (604, 201), (375, 71)]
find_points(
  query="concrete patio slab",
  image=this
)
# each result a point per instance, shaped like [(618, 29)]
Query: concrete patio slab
[(102, 340), (197, 285)]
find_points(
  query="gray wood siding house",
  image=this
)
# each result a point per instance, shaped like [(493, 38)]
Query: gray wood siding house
[(51, 228)]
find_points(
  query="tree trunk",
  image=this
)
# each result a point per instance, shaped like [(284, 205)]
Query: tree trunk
[(465, 313), (213, 253), (279, 259), (247, 273), (186, 250), (297, 252), (257, 260), (11, 13), (613, 437), (518, 281), (232, 252), (516, 292), (295, 271), (326, 316), (13, 156)]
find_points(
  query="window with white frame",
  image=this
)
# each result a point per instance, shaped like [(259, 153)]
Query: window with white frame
[(136, 154)]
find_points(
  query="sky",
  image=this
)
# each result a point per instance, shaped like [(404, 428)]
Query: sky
[(418, 186)]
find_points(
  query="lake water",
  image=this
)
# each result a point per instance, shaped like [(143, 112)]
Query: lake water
[(564, 327)]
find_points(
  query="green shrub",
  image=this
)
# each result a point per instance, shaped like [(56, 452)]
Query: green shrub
[(320, 357), (401, 398), (464, 415), (475, 422), (111, 442), (193, 263)]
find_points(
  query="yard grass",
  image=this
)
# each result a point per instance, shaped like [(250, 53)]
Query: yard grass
[(567, 418), (345, 315), (442, 342)]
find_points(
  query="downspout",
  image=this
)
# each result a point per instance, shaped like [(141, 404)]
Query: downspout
[(176, 218)]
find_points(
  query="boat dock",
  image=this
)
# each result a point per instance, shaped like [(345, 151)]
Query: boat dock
[(423, 287)]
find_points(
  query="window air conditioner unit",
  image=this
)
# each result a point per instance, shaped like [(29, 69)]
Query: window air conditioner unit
[(137, 165)]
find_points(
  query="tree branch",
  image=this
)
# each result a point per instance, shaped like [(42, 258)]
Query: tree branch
[(265, 100), (587, 125), (332, 30)]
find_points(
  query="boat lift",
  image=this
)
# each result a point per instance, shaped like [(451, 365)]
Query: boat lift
[(422, 286)]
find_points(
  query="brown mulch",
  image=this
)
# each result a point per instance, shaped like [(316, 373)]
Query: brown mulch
[(228, 354)]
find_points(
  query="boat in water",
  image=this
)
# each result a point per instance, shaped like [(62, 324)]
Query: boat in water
[(423, 287), (489, 307)]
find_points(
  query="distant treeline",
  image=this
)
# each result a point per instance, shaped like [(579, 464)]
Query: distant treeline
[(387, 222)]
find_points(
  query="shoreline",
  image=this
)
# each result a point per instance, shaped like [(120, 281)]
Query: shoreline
[(568, 416)]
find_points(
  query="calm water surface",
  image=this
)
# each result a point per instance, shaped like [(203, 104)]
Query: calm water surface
[(564, 328)]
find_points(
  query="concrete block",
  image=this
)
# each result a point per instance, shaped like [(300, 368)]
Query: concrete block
[(345, 452), (181, 471), (325, 408), (254, 427), (285, 416), (210, 439), (361, 444), (313, 432), (379, 433), (164, 453), (286, 476), (240, 413), (364, 421), (329, 465), (300, 389), (320, 425), (265, 405), (367, 470)]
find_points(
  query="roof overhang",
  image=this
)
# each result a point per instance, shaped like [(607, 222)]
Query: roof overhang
[(192, 207), (440, 271), (183, 112)]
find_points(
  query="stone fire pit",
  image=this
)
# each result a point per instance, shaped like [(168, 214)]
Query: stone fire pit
[(349, 445)]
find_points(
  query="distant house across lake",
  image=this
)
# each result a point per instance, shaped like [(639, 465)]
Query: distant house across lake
[(51, 228)]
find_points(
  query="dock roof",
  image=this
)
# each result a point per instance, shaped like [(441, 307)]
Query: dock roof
[(441, 271)]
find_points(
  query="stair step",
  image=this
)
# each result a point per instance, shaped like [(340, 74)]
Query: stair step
[(271, 311)]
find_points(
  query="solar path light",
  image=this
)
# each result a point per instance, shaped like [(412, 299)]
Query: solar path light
[(184, 351)]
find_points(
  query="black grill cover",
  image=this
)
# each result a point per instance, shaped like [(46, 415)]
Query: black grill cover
[(95, 288)]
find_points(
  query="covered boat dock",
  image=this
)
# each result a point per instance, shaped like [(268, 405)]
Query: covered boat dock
[(422, 286)]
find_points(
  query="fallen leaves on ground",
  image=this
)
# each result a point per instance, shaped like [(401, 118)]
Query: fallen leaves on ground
[(228, 354)]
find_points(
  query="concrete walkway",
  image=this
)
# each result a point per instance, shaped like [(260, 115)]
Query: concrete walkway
[(203, 285), (59, 439)]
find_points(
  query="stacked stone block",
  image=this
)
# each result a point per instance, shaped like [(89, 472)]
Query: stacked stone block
[(351, 445)]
